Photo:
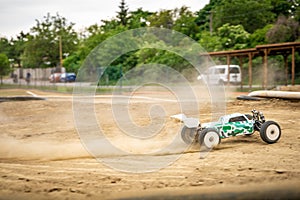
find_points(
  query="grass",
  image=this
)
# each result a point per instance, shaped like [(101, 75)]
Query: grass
[(13, 89), (99, 90), (244, 89), (61, 89), (12, 92)]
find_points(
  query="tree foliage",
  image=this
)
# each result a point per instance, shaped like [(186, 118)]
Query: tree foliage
[(233, 36), (227, 37), (210, 42), (185, 22), (123, 13), (287, 8), (14, 48), (162, 19), (138, 18), (259, 36), (251, 14), (5, 46), (42, 49), (4, 66), (18, 48), (285, 30), (203, 15), (236, 24)]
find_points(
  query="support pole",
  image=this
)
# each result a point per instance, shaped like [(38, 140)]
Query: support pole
[(250, 71), (293, 65), (285, 58), (241, 65), (60, 54), (228, 68), (207, 62), (265, 75)]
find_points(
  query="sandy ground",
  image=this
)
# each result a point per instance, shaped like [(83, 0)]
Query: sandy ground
[(41, 156)]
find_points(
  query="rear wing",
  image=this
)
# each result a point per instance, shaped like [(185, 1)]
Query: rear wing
[(190, 122)]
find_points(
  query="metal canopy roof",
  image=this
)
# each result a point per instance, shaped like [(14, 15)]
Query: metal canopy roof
[(273, 49), (284, 49)]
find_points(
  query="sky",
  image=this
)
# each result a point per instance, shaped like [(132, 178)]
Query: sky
[(21, 15)]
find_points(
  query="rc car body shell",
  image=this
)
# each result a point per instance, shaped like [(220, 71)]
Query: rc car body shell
[(232, 125)]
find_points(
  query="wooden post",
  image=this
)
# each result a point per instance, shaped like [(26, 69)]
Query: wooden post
[(285, 58), (60, 55), (250, 71), (241, 65), (228, 68), (293, 65), (207, 62), (265, 75)]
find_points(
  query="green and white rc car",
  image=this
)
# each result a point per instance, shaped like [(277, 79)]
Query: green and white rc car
[(210, 134)]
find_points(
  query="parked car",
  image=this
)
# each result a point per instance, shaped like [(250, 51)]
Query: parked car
[(54, 78), (219, 74), (67, 77)]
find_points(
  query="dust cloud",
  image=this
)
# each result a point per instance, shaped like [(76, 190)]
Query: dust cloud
[(12, 148)]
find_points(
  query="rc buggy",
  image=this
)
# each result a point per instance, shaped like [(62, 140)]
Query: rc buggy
[(210, 134)]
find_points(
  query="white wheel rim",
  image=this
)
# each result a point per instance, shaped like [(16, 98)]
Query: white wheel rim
[(211, 139), (272, 132)]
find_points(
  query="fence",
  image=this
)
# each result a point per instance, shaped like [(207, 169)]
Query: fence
[(36, 73)]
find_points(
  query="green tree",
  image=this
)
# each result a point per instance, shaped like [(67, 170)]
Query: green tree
[(251, 14), (297, 13), (18, 47), (92, 30), (203, 15), (210, 42), (14, 48), (162, 19), (93, 36), (287, 8), (285, 30), (233, 36), (72, 63), (4, 66), (122, 15), (42, 48), (185, 22), (138, 18), (5, 46), (259, 36), (97, 34)]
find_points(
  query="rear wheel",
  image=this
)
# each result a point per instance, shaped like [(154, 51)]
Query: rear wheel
[(270, 132), (188, 134), (209, 138)]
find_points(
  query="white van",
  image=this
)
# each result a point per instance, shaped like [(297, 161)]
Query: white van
[(219, 74)]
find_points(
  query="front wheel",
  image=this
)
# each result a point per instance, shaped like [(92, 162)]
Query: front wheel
[(209, 138), (188, 134), (270, 132)]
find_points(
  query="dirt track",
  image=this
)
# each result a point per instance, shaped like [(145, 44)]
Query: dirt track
[(41, 157)]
